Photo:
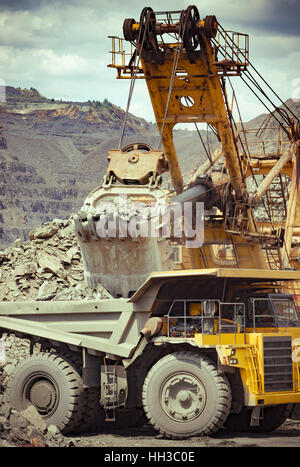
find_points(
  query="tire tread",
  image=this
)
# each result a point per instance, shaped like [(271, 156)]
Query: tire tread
[(223, 388)]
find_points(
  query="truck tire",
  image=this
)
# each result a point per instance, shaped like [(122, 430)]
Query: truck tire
[(273, 417), (183, 396), (53, 385)]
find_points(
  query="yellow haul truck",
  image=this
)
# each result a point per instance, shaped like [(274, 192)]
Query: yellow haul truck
[(195, 350), (213, 344)]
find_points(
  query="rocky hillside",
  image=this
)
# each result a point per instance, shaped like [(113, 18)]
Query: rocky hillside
[(53, 153)]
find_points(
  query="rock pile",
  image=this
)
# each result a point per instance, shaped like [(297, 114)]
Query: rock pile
[(27, 429), (12, 350), (46, 267)]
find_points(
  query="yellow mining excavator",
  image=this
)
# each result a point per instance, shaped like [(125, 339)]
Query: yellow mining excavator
[(208, 343), (186, 62)]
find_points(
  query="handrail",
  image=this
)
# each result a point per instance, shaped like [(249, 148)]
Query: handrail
[(215, 323)]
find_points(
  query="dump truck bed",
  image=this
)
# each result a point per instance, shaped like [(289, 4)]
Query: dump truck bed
[(113, 326)]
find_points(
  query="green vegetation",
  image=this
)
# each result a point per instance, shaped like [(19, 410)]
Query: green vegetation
[(105, 105)]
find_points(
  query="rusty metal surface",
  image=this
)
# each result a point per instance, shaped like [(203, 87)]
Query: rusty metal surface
[(122, 262), (136, 164)]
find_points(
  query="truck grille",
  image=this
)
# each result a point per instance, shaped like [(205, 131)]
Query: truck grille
[(278, 366)]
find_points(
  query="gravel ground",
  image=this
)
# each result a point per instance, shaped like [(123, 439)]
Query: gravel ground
[(288, 435)]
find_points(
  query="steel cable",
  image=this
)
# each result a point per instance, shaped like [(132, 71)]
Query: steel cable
[(133, 78)]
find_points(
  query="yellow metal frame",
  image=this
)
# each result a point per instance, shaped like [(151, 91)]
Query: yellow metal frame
[(249, 357), (197, 94)]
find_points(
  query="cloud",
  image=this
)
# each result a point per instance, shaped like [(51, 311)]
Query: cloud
[(18, 5), (64, 65), (61, 46), (282, 17)]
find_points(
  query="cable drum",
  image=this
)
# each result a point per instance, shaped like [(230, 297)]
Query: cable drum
[(210, 26), (190, 37), (127, 29)]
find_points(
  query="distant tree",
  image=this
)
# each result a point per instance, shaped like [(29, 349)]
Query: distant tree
[(107, 103)]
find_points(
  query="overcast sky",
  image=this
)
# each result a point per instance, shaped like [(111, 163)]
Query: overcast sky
[(61, 47)]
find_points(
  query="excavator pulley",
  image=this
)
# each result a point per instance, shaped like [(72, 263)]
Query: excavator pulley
[(210, 26), (189, 29), (190, 18), (128, 32)]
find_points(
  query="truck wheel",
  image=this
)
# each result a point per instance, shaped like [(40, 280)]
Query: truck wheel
[(183, 396), (53, 386), (273, 417)]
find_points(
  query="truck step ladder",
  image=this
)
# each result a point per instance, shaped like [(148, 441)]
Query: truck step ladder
[(110, 393)]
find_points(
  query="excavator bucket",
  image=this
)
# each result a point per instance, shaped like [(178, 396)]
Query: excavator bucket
[(118, 227)]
